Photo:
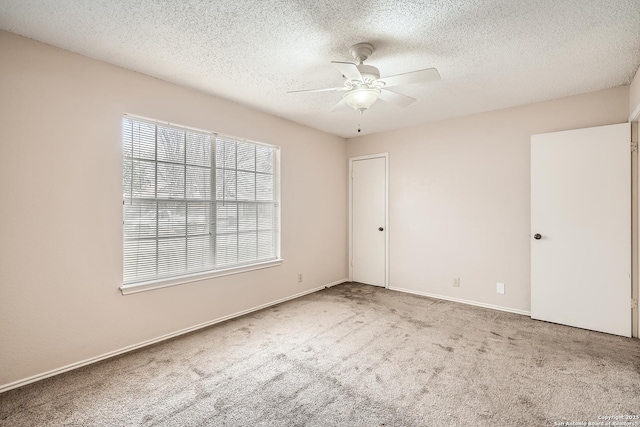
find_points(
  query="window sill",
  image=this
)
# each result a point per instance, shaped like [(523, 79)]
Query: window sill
[(134, 288)]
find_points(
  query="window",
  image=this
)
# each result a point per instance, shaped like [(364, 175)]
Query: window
[(195, 201)]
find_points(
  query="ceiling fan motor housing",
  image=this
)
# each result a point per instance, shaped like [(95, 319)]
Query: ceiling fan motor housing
[(369, 73)]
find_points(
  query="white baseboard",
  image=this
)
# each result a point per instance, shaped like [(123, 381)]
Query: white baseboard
[(337, 282), (38, 377), (463, 301)]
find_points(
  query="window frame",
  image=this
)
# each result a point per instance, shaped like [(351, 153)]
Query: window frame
[(162, 282)]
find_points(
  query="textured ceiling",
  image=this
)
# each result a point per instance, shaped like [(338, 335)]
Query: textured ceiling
[(491, 54)]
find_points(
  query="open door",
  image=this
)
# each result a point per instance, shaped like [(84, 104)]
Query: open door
[(581, 228)]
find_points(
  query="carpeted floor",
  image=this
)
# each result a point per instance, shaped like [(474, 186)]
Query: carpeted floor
[(351, 355)]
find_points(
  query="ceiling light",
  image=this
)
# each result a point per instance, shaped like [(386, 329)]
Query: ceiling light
[(360, 99)]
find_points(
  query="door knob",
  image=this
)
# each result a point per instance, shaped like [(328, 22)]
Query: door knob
[(380, 229), (537, 236)]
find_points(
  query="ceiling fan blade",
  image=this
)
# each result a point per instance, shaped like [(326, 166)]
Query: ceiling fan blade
[(349, 70), (395, 98), (329, 89), (342, 105), (426, 75)]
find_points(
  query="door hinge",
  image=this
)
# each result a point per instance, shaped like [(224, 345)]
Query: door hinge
[(634, 146), (634, 304)]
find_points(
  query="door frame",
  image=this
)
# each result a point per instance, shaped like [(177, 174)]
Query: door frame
[(385, 156), (634, 119)]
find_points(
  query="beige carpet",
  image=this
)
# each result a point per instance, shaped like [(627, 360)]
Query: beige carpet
[(352, 355)]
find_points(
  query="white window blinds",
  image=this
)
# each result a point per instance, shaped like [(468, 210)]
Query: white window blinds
[(195, 201)]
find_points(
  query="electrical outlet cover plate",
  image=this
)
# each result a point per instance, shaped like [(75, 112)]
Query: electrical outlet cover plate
[(500, 288)]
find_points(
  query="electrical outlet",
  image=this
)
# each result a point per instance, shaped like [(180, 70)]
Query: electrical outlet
[(500, 288), (456, 282), (299, 277)]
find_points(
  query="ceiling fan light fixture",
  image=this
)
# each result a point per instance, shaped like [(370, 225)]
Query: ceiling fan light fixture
[(360, 99)]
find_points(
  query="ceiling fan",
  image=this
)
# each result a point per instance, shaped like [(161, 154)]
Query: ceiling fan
[(363, 85)]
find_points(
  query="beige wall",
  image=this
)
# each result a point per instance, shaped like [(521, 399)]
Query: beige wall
[(459, 195), (634, 98), (61, 218)]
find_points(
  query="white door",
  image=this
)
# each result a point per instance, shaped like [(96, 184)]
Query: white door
[(581, 228), (369, 220)]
